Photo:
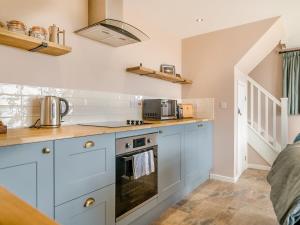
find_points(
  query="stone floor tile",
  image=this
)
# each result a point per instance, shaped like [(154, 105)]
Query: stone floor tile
[(220, 203)]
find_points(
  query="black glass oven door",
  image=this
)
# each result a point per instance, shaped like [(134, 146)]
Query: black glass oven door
[(132, 192)]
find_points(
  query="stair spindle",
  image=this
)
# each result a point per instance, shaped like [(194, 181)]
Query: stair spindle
[(259, 111), (267, 117)]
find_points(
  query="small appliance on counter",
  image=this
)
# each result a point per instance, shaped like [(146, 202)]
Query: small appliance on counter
[(187, 110), (159, 109), (179, 111), (3, 128), (51, 111)]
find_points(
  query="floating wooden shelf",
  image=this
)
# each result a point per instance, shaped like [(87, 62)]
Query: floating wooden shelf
[(158, 75), (32, 44)]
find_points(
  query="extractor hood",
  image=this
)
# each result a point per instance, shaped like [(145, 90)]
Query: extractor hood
[(106, 24)]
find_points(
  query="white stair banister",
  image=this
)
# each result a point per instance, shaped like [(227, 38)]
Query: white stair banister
[(284, 122), (268, 113)]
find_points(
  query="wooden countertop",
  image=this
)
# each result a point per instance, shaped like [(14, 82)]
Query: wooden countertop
[(14, 211), (31, 135)]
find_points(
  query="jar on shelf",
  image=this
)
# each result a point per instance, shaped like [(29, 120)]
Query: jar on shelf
[(38, 32), (16, 26), (2, 25)]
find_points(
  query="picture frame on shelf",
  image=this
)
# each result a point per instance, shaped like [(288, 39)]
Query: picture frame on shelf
[(168, 69)]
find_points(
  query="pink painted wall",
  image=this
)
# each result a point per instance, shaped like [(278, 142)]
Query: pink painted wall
[(269, 73), (91, 65), (254, 158), (209, 60)]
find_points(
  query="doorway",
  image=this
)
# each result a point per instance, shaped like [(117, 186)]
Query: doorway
[(242, 145)]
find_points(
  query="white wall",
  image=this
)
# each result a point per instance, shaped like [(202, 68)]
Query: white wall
[(91, 65)]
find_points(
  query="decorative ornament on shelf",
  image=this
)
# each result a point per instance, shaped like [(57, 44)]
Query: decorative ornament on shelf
[(168, 69), (3, 128)]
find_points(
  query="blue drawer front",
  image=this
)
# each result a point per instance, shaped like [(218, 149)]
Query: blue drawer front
[(101, 212), (80, 170)]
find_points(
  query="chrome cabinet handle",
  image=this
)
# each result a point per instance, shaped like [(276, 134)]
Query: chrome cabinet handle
[(46, 151), (89, 202), (89, 144), (200, 125)]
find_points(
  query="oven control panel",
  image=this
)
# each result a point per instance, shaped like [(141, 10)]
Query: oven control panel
[(130, 144)]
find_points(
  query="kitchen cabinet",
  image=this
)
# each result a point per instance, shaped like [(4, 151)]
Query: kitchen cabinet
[(81, 173), (170, 140), (198, 154), (96, 208), (83, 165), (27, 171)]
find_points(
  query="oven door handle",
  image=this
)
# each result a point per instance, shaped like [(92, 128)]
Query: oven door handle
[(126, 159)]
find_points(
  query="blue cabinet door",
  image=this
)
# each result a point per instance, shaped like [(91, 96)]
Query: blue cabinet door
[(169, 160), (27, 171), (96, 208), (83, 165), (198, 154)]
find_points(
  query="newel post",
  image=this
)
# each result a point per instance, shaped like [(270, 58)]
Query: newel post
[(284, 122)]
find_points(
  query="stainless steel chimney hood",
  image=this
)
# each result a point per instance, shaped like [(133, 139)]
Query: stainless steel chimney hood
[(106, 26)]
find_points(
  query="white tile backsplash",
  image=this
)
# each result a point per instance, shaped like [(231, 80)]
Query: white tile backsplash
[(20, 105)]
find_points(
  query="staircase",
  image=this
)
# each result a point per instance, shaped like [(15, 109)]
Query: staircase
[(267, 121)]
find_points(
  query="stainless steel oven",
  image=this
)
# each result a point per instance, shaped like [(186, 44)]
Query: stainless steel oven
[(136, 177), (159, 109)]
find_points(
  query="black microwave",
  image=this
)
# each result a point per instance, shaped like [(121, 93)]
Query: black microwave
[(159, 109)]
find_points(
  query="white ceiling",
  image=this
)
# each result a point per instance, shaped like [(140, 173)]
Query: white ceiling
[(178, 17)]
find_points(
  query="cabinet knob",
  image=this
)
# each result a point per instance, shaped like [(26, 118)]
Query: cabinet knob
[(127, 145), (46, 151), (89, 202), (160, 132), (89, 144), (200, 125)]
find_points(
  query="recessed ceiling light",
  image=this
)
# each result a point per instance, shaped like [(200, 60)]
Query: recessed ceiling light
[(199, 20)]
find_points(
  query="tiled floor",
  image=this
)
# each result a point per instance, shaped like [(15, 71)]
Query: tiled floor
[(220, 203)]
